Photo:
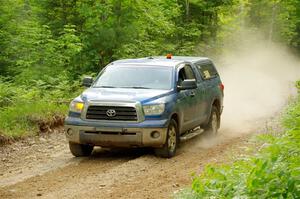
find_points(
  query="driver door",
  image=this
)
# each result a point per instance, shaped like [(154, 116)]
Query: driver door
[(187, 98)]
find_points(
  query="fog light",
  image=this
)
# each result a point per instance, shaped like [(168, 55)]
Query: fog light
[(69, 132), (155, 134)]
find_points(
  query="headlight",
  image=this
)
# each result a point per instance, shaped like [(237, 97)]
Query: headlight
[(156, 109), (76, 106)]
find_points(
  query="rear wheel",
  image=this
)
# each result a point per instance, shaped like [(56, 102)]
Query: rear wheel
[(214, 122), (169, 148), (80, 150)]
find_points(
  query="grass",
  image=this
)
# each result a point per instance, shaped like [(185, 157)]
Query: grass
[(271, 172), (22, 119), (25, 107)]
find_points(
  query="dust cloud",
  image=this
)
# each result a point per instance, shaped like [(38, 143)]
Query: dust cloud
[(259, 78)]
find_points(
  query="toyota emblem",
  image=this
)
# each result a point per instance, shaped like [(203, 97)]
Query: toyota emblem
[(111, 113)]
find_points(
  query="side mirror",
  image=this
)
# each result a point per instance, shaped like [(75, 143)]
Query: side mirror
[(87, 81), (187, 84)]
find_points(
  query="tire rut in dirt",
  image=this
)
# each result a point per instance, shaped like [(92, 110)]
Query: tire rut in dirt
[(152, 177)]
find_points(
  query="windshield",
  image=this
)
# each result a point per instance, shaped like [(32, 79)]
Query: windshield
[(135, 77)]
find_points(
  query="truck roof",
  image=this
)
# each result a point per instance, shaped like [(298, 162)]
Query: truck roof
[(160, 61)]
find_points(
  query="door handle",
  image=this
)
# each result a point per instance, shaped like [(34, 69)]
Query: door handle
[(192, 94)]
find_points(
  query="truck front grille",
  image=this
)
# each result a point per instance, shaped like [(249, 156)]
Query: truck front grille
[(121, 113)]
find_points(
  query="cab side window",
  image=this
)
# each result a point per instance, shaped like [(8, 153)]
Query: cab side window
[(207, 70), (185, 73), (189, 72)]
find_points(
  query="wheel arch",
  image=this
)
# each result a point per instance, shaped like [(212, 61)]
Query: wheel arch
[(217, 104), (176, 117)]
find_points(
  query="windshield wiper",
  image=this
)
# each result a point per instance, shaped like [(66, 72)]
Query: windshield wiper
[(136, 87)]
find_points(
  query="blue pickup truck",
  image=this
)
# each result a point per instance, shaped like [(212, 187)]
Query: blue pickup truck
[(148, 102)]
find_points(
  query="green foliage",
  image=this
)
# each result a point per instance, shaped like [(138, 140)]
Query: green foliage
[(278, 19), (298, 86), (273, 172), (84, 35), (23, 106), (47, 56)]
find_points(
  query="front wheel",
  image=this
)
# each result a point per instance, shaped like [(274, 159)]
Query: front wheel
[(170, 146), (79, 150)]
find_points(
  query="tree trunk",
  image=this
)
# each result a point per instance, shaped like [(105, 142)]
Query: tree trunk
[(274, 9), (187, 9)]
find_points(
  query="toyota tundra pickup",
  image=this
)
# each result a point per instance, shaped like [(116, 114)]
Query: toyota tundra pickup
[(148, 102)]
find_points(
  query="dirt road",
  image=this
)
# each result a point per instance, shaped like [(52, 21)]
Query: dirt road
[(44, 168)]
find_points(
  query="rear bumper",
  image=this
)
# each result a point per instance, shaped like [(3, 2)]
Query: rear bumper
[(116, 134)]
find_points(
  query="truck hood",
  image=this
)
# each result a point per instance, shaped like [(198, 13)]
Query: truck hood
[(123, 94)]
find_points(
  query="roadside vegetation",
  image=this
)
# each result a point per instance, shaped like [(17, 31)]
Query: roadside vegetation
[(271, 171), (46, 46), (29, 109)]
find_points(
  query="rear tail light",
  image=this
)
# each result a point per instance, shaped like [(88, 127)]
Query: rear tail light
[(222, 87)]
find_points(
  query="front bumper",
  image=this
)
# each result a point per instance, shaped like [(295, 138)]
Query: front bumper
[(107, 134)]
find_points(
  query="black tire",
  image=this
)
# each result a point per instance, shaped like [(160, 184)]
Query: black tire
[(172, 141), (80, 150), (213, 124)]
